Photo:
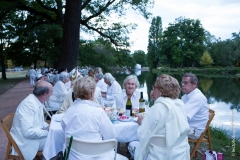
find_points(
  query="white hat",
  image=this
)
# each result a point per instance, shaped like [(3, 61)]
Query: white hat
[(39, 76)]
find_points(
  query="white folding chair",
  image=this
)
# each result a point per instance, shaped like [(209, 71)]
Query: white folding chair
[(160, 140), (95, 148), (49, 111)]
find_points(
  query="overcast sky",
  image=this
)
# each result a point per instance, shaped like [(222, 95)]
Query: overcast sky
[(220, 17)]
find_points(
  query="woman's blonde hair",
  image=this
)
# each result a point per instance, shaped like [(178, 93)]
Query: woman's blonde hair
[(83, 87), (168, 85)]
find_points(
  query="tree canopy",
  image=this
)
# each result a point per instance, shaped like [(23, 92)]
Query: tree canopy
[(91, 16), (183, 42)]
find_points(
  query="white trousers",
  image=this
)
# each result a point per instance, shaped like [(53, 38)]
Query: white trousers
[(32, 79)]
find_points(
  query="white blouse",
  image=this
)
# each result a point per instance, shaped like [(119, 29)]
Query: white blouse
[(85, 121), (113, 90)]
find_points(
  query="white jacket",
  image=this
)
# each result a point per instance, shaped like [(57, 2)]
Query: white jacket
[(28, 126), (166, 117)]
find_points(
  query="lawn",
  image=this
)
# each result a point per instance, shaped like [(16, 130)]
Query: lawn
[(12, 79)]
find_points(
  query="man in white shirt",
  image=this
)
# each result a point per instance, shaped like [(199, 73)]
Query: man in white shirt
[(29, 129), (100, 82), (196, 105)]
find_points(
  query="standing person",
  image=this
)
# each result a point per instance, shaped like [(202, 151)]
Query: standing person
[(100, 82), (32, 74), (113, 87), (167, 118), (29, 129), (196, 105), (130, 84), (85, 120)]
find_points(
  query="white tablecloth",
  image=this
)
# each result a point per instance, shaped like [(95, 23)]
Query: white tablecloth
[(124, 132)]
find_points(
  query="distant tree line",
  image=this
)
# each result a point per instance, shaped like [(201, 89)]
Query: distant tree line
[(32, 30), (185, 43)]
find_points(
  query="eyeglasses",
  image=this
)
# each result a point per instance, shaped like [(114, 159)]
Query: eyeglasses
[(185, 82)]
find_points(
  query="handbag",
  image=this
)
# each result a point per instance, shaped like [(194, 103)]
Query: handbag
[(66, 154), (212, 155)]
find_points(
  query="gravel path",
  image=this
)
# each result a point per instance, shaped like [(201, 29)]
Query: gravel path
[(8, 104)]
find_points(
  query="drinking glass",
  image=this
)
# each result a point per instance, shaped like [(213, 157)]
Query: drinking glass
[(135, 111)]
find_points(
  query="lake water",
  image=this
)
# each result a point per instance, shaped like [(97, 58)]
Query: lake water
[(223, 94)]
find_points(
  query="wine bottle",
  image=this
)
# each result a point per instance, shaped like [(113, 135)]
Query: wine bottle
[(141, 104), (129, 108)]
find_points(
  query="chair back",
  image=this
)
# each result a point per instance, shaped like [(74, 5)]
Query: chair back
[(92, 148), (160, 140), (6, 124), (203, 137), (46, 110)]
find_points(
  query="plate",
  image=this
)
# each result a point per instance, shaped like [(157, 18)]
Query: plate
[(126, 119), (58, 119)]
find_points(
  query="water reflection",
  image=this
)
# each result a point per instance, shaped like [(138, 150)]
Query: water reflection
[(222, 94)]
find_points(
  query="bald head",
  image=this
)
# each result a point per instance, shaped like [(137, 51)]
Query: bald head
[(43, 90)]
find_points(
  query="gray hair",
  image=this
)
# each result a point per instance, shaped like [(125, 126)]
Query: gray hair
[(109, 77), (99, 75), (193, 77), (63, 76), (131, 77), (40, 90)]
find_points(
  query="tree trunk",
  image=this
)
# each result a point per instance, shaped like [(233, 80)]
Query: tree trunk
[(71, 34), (4, 77)]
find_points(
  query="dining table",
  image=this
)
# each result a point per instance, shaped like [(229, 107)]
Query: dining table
[(125, 131)]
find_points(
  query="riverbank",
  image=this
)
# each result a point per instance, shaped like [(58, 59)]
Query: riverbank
[(234, 71)]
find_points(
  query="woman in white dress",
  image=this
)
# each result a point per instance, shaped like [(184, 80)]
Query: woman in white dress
[(85, 120), (167, 118)]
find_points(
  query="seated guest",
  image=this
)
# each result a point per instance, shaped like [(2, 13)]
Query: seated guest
[(84, 119), (69, 99), (166, 117), (100, 82), (67, 102), (196, 105), (56, 77), (113, 87), (59, 91), (28, 129), (40, 77), (130, 84), (91, 73)]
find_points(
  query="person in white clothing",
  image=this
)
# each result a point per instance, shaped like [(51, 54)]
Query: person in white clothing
[(167, 118), (113, 87), (32, 74), (59, 91), (56, 77), (29, 129), (196, 105), (100, 82), (85, 120), (130, 84), (69, 99)]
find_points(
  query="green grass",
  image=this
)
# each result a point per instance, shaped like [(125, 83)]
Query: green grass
[(12, 79), (221, 142)]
